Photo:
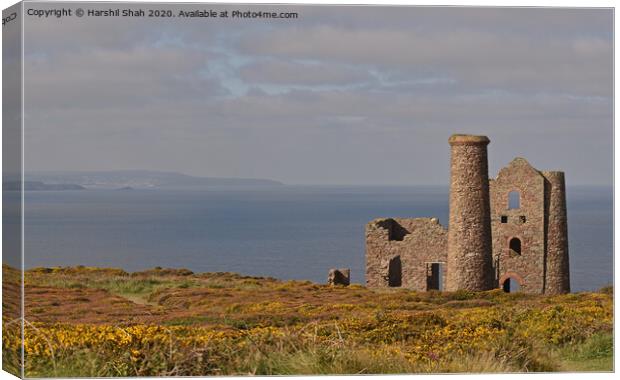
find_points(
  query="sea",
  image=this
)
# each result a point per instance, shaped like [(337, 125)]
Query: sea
[(286, 232)]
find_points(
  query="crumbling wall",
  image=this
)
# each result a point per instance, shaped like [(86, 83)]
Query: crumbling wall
[(488, 240), (410, 244), (526, 223), (339, 276)]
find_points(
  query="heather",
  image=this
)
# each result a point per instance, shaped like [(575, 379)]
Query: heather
[(84, 321)]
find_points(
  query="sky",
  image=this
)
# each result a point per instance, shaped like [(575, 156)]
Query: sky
[(345, 95)]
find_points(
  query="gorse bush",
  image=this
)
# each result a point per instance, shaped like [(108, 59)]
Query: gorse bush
[(265, 327), (382, 343)]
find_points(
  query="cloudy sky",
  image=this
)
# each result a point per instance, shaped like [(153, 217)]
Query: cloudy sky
[(341, 95)]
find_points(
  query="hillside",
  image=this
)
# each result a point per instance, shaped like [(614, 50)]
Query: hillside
[(39, 186), (141, 179), (106, 322)]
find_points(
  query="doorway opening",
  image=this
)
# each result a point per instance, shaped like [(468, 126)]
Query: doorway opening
[(511, 285), (434, 276), (395, 272)]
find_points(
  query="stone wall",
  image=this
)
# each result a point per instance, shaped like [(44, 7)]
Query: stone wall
[(525, 223), (469, 263), (557, 274), (339, 276), (408, 245)]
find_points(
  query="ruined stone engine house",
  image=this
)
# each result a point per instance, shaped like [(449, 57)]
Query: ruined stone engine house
[(508, 232)]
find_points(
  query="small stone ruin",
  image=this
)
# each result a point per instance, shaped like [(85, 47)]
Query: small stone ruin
[(339, 276)]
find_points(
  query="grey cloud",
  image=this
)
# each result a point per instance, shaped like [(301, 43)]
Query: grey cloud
[(298, 73), (478, 58), (102, 78), (360, 90), (504, 21), (336, 131)]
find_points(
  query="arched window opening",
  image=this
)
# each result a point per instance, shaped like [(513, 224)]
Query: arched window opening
[(514, 200), (511, 285), (515, 246), (395, 272)]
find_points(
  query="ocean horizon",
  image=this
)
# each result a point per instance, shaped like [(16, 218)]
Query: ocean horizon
[(290, 232)]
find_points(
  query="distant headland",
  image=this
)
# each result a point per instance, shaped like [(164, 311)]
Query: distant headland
[(40, 186), (139, 179)]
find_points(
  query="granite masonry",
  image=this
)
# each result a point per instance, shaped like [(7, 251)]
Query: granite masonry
[(508, 232), (339, 276)]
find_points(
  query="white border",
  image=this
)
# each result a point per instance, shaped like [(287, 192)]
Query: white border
[(477, 3)]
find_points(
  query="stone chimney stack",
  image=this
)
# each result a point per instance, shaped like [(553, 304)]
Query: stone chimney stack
[(470, 264), (558, 277)]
